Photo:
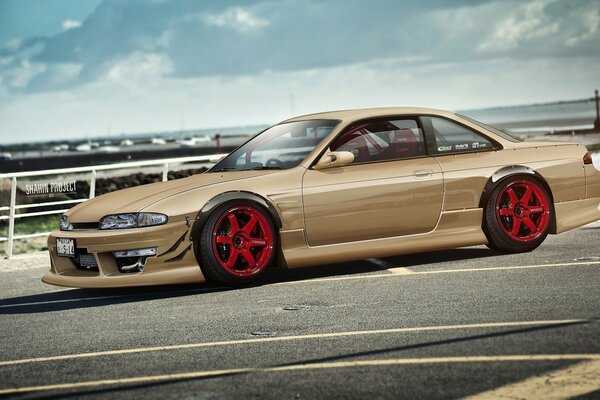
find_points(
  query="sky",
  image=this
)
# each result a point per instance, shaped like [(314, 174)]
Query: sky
[(81, 68)]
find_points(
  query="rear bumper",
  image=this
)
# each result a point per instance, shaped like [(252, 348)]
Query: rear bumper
[(175, 261), (573, 214)]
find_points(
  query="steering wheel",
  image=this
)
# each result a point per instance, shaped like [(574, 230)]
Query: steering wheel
[(276, 163)]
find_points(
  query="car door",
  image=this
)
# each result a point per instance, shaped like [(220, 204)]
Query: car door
[(392, 188)]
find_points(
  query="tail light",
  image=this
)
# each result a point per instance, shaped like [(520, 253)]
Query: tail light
[(587, 159)]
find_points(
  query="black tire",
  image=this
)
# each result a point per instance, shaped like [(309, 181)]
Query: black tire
[(227, 263), (518, 215)]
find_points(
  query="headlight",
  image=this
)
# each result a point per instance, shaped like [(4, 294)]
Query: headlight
[(124, 221), (64, 223)]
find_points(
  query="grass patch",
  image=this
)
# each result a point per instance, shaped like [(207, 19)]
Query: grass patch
[(43, 223)]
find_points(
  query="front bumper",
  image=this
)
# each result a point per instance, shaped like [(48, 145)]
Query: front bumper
[(174, 263)]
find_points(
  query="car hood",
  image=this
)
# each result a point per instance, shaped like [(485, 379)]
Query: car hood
[(137, 198)]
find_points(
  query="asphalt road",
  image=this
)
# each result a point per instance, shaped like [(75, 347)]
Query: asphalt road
[(446, 324)]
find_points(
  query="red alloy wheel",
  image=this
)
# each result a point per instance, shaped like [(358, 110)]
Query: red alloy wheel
[(523, 211), (242, 241)]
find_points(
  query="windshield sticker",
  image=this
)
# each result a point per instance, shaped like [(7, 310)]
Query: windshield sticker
[(464, 146), (444, 148)]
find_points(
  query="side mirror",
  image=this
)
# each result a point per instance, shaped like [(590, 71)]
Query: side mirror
[(334, 159)]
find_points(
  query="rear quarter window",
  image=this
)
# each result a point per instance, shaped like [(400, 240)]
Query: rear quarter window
[(450, 137)]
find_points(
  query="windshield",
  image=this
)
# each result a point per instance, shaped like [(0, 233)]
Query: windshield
[(282, 146)]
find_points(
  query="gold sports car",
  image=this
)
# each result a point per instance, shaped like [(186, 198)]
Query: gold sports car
[(329, 188)]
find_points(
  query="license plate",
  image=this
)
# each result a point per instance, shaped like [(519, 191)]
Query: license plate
[(65, 247)]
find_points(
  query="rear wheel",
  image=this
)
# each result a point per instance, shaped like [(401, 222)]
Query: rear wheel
[(237, 244), (518, 215)]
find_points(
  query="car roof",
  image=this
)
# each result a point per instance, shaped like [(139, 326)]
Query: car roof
[(361, 113)]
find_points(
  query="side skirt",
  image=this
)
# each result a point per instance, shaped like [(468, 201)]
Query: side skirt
[(455, 229)]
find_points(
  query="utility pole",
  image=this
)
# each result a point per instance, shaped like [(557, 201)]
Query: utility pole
[(597, 121), (218, 139)]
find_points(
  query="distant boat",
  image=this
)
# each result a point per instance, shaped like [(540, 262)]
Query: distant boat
[(126, 142), (5, 156), (158, 141), (108, 149), (83, 147), (191, 142)]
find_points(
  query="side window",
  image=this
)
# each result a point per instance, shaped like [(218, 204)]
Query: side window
[(454, 138), (382, 140)]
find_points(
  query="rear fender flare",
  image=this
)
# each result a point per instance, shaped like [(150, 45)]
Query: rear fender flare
[(514, 170)]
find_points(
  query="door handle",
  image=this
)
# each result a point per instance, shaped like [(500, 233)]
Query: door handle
[(422, 173)]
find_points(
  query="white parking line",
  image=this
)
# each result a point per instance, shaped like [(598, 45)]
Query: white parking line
[(565, 383), (402, 271), (296, 337), (300, 367), (394, 272)]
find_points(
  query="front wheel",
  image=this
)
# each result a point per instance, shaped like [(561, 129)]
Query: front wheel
[(237, 244), (518, 215)]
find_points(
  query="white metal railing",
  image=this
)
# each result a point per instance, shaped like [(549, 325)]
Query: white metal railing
[(13, 207)]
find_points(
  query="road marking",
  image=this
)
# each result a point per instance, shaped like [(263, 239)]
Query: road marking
[(394, 272), (299, 367), (401, 271), (295, 337), (566, 383)]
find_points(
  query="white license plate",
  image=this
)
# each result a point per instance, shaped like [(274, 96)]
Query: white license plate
[(65, 247)]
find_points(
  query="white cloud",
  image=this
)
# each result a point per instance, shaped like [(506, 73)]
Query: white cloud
[(70, 24), (13, 44), (6, 60), (165, 38), (236, 18), (130, 103), (21, 76), (590, 22), (140, 68), (528, 21)]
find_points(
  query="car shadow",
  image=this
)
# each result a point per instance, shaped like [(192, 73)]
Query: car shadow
[(86, 298), (379, 264)]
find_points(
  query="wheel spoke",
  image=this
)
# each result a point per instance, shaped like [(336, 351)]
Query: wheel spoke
[(531, 225), (222, 239), (233, 223), (258, 242), (233, 256), (513, 196), (248, 257), (249, 227), (536, 209), (506, 212), (516, 227), (243, 242), (527, 196)]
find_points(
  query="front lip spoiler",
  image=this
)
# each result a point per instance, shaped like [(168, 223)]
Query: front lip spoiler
[(190, 274)]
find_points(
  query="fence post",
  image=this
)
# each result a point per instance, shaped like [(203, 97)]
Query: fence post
[(11, 218), (93, 184), (165, 172)]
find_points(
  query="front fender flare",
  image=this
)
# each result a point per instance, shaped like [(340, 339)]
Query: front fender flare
[(227, 197)]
